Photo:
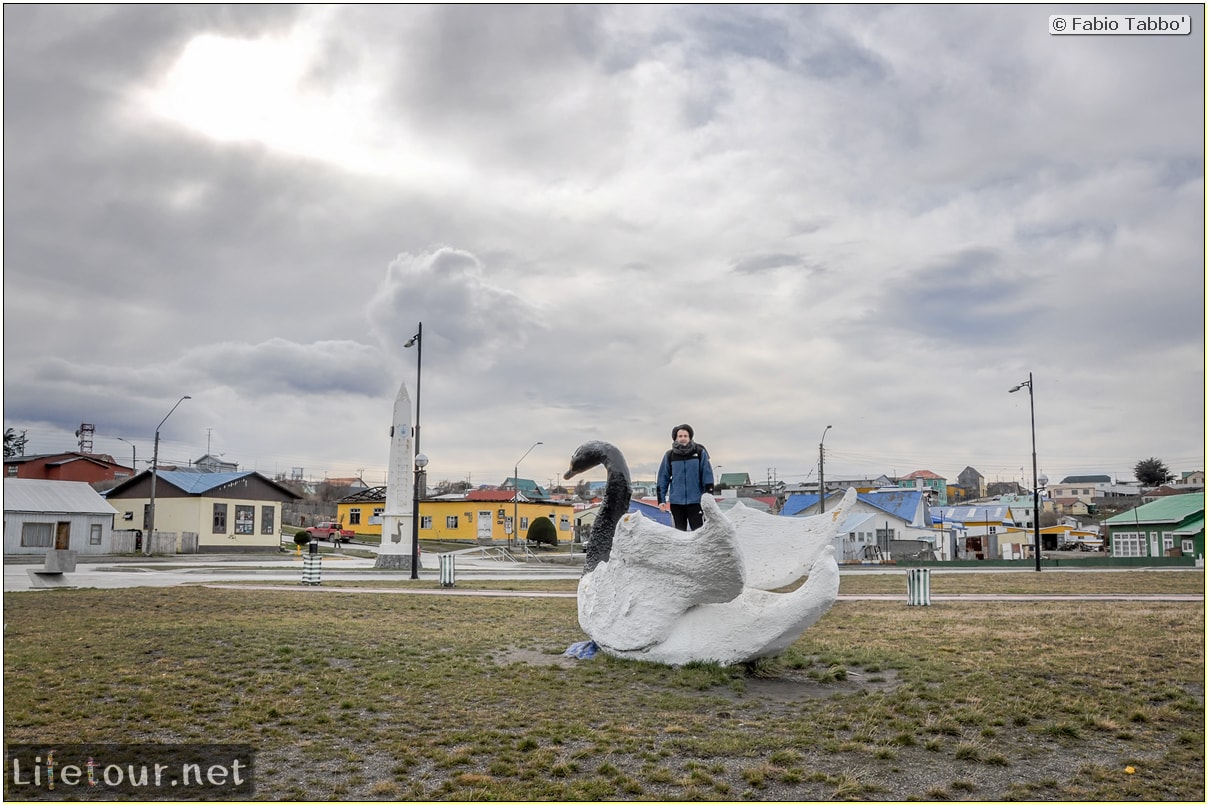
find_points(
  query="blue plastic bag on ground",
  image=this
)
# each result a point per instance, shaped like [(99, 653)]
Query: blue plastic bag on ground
[(583, 650)]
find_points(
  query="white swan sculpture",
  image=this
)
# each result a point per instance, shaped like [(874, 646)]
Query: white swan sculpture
[(650, 592)]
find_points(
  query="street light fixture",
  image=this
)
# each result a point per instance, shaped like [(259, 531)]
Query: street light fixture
[(1036, 489), (516, 494), (822, 488), (134, 456), (155, 461), (421, 463)]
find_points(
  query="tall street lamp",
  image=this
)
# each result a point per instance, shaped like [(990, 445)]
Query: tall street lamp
[(420, 460), (822, 488), (421, 463), (516, 494), (155, 461), (1036, 492), (134, 456)]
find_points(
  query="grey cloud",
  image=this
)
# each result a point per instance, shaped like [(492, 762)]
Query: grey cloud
[(757, 264), (476, 321), (278, 366), (970, 296)]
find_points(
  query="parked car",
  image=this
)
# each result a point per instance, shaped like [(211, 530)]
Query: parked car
[(331, 530)]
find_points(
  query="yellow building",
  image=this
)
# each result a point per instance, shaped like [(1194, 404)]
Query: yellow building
[(484, 516)]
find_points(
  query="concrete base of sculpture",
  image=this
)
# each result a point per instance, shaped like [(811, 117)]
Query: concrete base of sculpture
[(393, 561)]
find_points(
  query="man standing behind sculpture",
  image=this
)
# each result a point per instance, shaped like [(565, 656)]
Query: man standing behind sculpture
[(684, 476)]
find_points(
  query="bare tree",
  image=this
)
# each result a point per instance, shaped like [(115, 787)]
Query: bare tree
[(14, 443)]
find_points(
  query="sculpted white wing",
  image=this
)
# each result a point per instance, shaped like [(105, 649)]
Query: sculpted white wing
[(654, 574), (756, 624), (778, 550)]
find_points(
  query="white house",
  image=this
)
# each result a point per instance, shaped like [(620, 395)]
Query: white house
[(40, 514)]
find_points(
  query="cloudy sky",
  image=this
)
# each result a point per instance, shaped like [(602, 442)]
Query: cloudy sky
[(761, 220)]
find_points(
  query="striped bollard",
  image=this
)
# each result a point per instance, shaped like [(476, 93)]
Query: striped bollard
[(447, 570), (919, 586), (312, 564)]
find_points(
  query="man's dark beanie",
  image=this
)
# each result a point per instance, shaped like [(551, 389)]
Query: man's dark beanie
[(682, 427)]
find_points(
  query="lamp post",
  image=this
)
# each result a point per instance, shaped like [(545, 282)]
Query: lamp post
[(822, 488), (421, 463), (516, 493), (134, 456), (1036, 491), (155, 461)]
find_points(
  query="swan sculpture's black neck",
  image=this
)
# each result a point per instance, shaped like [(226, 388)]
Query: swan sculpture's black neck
[(616, 501)]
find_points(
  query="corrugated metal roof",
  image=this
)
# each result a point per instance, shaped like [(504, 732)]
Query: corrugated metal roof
[(996, 513), (197, 483), (43, 495), (901, 503), (1169, 509)]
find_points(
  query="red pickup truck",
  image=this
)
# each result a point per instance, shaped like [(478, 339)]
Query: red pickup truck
[(331, 530)]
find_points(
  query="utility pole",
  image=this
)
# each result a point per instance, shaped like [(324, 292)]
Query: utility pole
[(822, 487)]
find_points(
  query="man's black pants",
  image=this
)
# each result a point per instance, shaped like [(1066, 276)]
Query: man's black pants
[(687, 517)]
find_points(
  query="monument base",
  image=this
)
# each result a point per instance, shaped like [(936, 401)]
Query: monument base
[(398, 562)]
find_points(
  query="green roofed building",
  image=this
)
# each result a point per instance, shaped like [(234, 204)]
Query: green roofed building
[(1171, 526), (734, 480)]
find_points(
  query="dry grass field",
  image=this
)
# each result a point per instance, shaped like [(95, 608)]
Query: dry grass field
[(348, 695)]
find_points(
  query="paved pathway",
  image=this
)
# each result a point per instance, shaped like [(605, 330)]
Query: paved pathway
[(851, 597), (284, 572)]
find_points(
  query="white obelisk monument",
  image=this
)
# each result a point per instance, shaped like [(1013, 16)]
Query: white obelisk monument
[(395, 551)]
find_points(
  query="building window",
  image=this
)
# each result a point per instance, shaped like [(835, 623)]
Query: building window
[(267, 520), (94, 534), (1128, 544), (354, 516), (1187, 546), (220, 519), (38, 535), (451, 521), (525, 524), (245, 520), (378, 512), (564, 524), (12, 470), (425, 521)]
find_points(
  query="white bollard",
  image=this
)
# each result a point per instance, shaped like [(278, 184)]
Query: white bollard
[(919, 586)]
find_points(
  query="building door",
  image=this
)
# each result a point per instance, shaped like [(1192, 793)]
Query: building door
[(1154, 544), (484, 525), (63, 535)]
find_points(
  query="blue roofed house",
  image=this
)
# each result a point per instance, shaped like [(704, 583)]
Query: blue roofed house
[(883, 524), (228, 512)]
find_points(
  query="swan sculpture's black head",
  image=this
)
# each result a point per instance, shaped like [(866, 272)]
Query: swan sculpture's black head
[(616, 498), (591, 454)]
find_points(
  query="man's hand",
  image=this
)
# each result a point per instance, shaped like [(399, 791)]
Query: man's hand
[(665, 507)]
